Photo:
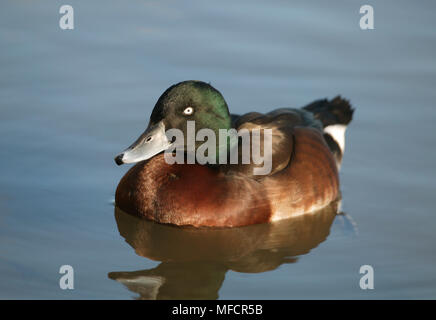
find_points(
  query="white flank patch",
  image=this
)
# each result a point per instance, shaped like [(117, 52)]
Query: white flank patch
[(337, 131)]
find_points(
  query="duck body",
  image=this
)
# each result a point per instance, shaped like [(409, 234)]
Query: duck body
[(303, 176)]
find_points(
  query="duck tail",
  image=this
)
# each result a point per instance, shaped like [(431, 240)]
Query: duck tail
[(335, 115)]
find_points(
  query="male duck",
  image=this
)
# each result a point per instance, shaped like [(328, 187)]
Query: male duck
[(307, 149)]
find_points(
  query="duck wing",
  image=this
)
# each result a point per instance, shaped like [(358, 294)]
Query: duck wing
[(329, 117), (281, 122)]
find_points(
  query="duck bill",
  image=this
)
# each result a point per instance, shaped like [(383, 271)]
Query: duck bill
[(150, 143)]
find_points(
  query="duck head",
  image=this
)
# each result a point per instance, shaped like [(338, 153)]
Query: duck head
[(185, 101)]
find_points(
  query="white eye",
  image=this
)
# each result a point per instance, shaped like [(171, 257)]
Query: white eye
[(188, 111)]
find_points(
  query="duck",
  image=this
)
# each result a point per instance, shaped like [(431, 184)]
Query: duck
[(305, 146)]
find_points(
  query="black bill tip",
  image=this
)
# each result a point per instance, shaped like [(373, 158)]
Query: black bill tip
[(119, 159)]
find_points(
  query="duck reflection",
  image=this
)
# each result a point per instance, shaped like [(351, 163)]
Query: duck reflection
[(194, 261)]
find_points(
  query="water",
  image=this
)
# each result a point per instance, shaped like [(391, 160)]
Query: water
[(71, 100)]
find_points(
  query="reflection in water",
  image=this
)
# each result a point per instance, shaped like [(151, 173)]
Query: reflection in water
[(194, 261)]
